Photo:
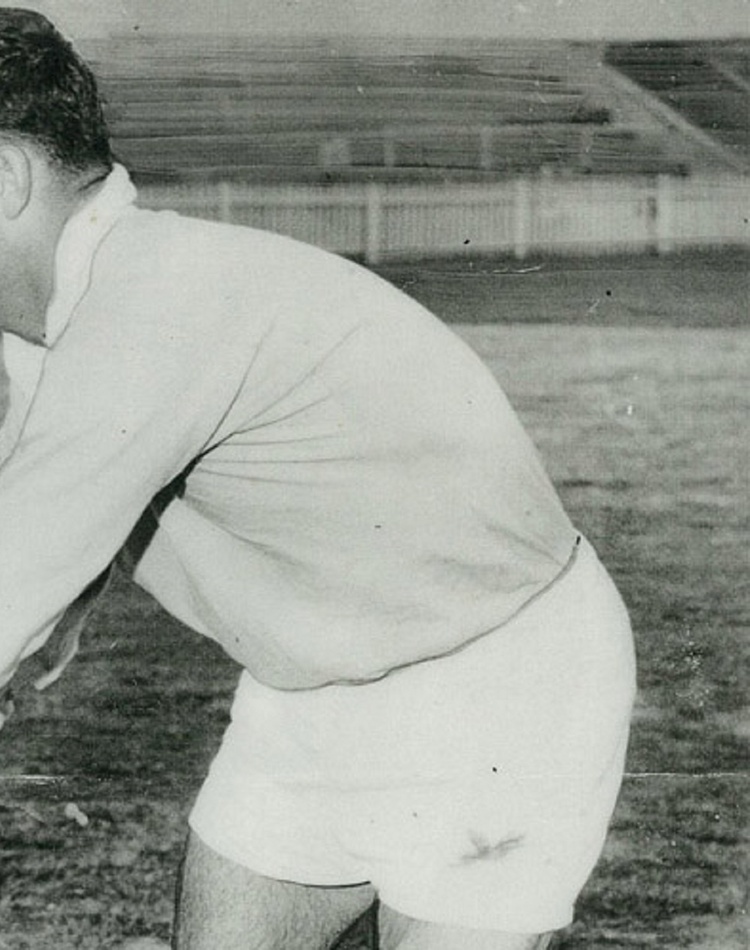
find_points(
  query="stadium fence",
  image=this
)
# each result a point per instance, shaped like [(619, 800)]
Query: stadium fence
[(518, 216)]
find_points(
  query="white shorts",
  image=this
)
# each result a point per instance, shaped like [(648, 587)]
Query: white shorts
[(474, 790)]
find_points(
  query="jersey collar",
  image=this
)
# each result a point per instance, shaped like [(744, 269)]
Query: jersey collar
[(83, 233), (74, 257)]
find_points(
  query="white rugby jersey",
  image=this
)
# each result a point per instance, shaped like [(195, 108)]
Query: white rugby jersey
[(324, 478)]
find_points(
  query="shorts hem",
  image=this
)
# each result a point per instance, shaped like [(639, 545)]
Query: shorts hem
[(276, 872), (440, 915)]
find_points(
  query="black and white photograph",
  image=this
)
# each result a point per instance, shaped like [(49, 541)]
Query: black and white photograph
[(375, 475)]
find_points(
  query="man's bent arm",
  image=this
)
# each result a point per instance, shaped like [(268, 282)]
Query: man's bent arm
[(116, 417)]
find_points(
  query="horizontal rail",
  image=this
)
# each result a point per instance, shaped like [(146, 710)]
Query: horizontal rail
[(518, 215)]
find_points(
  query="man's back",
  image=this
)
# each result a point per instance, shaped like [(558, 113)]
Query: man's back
[(369, 489), (356, 493)]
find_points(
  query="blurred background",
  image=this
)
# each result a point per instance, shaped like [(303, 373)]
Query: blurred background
[(398, 129)]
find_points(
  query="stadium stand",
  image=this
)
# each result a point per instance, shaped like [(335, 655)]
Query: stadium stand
[(326, 111), (708, 84)]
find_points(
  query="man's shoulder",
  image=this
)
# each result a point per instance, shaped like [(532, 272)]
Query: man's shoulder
[(162, 252), (197, 242), (170, 273), (168, 238)]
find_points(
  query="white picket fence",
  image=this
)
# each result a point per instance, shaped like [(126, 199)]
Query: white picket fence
[(519, 216)]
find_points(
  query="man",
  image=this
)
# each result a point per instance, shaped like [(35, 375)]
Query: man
[(298, 461)]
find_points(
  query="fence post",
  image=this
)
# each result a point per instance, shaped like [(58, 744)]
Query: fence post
[(335, 150), (225, 201), (373, 223), (486, 141), (665, 232), (521, 217), (389, 149)]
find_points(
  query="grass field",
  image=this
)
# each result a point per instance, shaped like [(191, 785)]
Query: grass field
[(640, 406)]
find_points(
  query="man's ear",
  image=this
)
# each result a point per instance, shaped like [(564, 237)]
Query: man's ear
[(15, 180)]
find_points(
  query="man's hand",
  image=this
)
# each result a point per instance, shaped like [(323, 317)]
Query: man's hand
[(44, 666), (62, 645), (6, 704)]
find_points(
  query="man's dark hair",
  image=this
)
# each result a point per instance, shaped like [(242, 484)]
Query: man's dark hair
[(48, 95)]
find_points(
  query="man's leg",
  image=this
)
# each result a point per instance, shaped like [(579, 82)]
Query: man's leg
[(398, 932), (223, 905)]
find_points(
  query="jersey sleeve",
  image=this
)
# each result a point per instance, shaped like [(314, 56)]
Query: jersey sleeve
[(122, 407)]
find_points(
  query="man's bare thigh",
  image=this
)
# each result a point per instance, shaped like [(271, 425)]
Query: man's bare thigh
[(224, 905), (398, 932)]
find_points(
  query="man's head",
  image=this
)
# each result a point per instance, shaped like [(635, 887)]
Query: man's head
[(54, 147), (48, 95)]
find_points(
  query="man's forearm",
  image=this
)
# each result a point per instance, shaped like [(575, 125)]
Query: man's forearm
[(62, 645)]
